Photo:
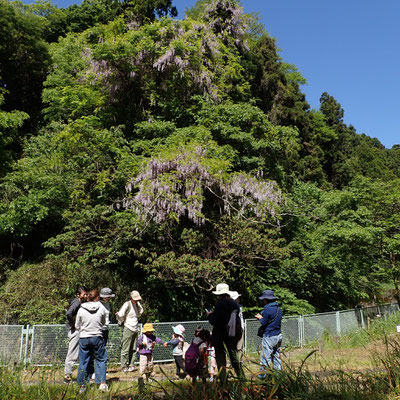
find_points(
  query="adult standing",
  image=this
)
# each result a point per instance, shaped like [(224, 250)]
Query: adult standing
[(271, 319), (219, 319), (73, 333), (236, 297), (106, 294), (90, 320), (129, 315)]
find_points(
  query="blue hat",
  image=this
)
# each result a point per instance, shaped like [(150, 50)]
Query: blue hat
[(268, 295)]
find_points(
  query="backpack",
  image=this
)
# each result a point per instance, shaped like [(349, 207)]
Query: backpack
[(234, 327), (192, 359)]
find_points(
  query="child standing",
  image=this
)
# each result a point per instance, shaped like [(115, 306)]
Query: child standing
[(146, 343), (177, 343), (196, 356), (212, 363)]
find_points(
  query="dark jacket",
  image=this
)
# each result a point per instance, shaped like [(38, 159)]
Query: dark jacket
[(272, 319), (74, 306), (219, 318)]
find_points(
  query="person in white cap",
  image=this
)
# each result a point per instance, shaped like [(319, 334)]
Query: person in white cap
[(128, 315), (177, 343), (106, 294), (236, 297), (219, 319)]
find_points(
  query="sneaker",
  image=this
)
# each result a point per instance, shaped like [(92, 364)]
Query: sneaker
[(125, 370), (82, 389), (131, 368), (103, 387), (67, 379), (93, 377)]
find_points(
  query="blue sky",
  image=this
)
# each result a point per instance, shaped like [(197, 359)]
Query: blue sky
[(348, 48)]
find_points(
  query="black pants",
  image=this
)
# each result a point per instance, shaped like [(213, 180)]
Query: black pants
[(179, 365), (220, 343)]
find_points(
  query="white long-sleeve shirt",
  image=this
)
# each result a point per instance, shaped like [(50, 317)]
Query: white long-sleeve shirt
[(129, 314)]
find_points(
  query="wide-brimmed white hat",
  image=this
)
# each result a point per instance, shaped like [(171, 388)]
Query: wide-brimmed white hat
[(234, 294), (179, 329), (222, 288)]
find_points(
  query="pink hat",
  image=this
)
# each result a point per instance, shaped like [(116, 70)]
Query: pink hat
[(179, 329)]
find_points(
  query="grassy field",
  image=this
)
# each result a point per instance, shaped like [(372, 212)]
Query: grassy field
[(362, 366)]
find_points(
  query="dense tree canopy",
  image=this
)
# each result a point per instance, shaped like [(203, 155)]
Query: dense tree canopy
[(143, 151)]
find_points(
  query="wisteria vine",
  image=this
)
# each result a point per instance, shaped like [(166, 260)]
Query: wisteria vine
[(177, 187)]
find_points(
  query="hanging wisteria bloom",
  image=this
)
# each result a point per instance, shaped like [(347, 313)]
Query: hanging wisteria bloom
[(178, 188)]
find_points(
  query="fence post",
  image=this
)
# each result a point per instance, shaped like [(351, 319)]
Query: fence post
[(26, 334), (245, 337), (301, 330), (21, 347), (338, 328)]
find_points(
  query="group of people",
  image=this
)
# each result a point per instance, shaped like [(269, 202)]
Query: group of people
[(88, 317)]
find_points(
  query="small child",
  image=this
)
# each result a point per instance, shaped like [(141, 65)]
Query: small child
[(196, 360), (212, 363), (177, 343), (145, 344)]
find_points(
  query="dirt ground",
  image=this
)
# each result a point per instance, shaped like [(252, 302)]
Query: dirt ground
[(349, 360)]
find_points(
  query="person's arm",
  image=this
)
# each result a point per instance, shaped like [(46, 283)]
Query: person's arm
[(215, 316), (172, 342), (140, 309), (78, 322), (106, 318), (121, 313), (265, 318), (158, 340), (72, 310)]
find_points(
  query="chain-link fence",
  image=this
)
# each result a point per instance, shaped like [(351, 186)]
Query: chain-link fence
[(12, 339), (48, 344)]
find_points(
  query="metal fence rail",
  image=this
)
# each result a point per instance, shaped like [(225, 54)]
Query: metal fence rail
[(48, 344)]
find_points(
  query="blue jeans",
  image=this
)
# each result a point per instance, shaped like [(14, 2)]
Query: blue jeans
[(271, 346), (89, 348)]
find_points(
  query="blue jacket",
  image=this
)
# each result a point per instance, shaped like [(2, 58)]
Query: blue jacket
[(271, 310)]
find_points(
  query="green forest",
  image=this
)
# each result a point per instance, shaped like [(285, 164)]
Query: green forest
[(145, 150)]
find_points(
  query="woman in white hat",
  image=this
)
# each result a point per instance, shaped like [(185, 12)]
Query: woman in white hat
[(128, 316), (219, 319)]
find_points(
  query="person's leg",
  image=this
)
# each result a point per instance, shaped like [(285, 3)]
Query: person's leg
[(220, 355), (276, 359), (150, 364), (142, 364), (266, 352), (239, 348), (125, 345), (133, 348), (73, 352), (105, 337), (100, 357), (85, 353), (177, 365), (234, 357), (180, 366)]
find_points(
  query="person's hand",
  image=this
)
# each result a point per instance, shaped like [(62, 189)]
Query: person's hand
[(258, 316), (165, 344)]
